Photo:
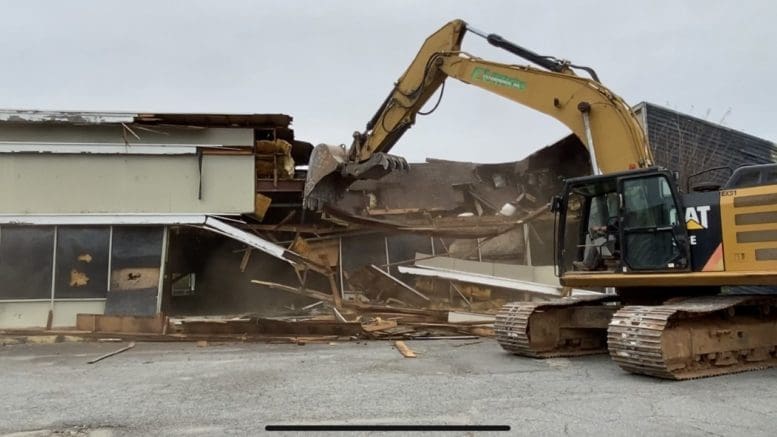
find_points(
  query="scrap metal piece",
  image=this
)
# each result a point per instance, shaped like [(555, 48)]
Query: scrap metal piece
[(400, 283)]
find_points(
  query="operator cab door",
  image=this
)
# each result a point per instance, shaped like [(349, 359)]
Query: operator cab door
[(652, 231)]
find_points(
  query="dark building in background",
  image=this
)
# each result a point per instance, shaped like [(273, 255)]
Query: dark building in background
[(689, 145)]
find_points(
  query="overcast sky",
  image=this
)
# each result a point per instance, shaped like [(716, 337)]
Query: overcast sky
[(329, 64)]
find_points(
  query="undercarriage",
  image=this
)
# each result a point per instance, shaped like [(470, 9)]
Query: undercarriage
[(683, 338)]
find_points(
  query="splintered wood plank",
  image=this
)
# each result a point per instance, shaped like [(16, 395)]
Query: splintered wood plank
[(110, 354), (379, 325), (404, 349)]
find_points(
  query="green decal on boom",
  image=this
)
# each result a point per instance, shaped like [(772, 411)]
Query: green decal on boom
[(485, 75)]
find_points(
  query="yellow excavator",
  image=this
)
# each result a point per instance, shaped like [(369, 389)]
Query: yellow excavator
[(626, 228)]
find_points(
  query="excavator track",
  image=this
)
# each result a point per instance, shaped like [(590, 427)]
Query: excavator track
[(696, 337), (563, 327)]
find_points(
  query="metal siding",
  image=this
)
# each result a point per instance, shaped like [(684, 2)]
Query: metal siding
[(88, 184)]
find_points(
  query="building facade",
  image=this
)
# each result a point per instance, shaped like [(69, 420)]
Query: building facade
[(87, 202)]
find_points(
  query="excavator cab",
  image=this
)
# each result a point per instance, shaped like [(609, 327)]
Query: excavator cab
[(621, 222)]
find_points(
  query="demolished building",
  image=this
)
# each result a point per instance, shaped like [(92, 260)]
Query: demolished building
[(176, 214), (92, 205)]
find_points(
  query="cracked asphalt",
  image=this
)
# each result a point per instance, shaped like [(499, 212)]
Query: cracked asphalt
[(237, 389)]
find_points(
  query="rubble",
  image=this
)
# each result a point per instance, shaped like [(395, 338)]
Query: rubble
[(462, 199)]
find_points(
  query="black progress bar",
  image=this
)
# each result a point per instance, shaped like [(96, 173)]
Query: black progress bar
[(387, 428)]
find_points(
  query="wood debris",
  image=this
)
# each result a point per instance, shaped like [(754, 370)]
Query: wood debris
[(110, 354), (379, 324), (404, 349)]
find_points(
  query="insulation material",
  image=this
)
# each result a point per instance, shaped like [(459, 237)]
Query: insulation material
[(261, 205), (135, 278), (274, 156)]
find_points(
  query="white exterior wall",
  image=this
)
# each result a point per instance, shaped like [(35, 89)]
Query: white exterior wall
[(34, 314), (20, 314), (105, 184), (65, 311)]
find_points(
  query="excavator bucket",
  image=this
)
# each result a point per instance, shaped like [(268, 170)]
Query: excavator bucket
[(323, 180), (330, 173)]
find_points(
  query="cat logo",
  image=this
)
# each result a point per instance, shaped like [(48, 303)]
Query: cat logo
[(696, 217)]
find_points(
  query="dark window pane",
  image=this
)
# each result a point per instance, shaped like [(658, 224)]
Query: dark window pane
[(25, 262), (136, 256), (82, 262)]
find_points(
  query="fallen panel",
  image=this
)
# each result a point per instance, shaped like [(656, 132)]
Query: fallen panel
[(494, 281), (543, 274), (215, 225)]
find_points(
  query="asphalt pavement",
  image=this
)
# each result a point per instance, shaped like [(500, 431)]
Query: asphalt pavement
[(238, 389)]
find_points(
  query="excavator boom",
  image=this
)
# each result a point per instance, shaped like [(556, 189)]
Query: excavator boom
[(601, 119)]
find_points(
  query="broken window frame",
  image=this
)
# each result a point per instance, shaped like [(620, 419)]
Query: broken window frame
[(95, 242), (51, 259), (21, 254)]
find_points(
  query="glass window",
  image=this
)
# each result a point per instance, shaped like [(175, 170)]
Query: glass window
[(649, 203), (135, 257), (26, 254), (82, 262), (649, 216)]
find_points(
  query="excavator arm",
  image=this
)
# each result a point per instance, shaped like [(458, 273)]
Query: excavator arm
[(601, 119)]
